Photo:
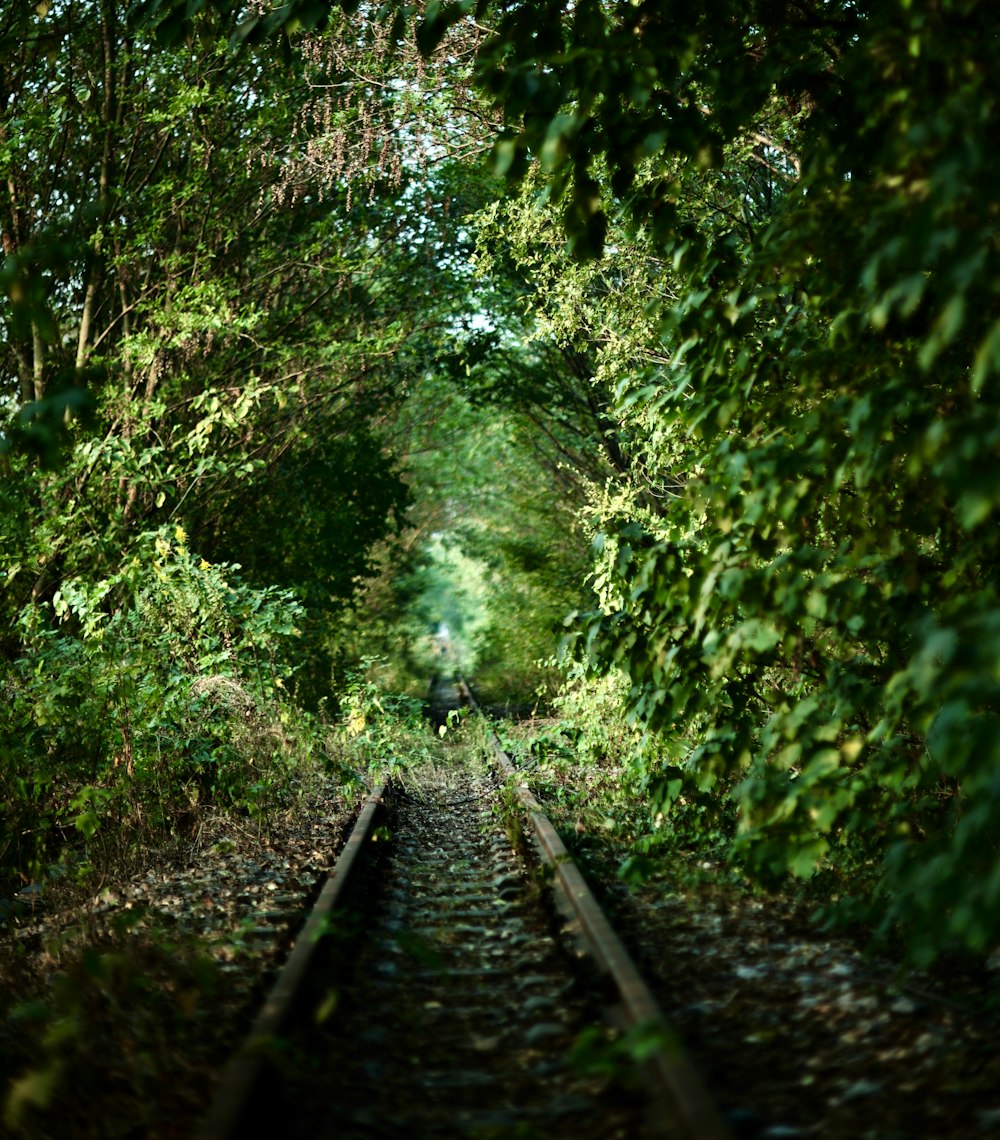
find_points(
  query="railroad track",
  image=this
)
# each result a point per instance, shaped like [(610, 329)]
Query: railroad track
[(437, 992)]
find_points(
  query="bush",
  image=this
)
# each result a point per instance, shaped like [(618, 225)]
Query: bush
[(162, 688)]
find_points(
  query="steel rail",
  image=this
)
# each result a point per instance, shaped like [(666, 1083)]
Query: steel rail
[(236, 1085), (685, 1111)]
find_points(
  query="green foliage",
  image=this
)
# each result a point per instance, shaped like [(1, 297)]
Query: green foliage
[(596, 1052), (379, 730), (489, 551), (110, 1018), (190, 258), (155, 690), (798, 571), (772, 404), (224, 305)]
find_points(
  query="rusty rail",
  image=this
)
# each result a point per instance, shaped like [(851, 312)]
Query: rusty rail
[(232, 1099), (684, 1110)]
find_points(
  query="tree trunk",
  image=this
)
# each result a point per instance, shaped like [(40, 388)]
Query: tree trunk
[(108, 122)]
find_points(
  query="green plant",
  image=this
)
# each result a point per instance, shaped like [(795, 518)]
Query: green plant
[(111, 1019), (161, 689)]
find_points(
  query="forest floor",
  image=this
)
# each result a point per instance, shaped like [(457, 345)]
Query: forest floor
[(117, 1012), (801, 1034)]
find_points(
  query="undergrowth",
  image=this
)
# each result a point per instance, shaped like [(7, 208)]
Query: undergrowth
[(114, 1024), (112, 1019), (139, 706), (629, 809)]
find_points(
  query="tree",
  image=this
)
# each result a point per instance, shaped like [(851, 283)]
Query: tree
[(238, 316), (810, 621)]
